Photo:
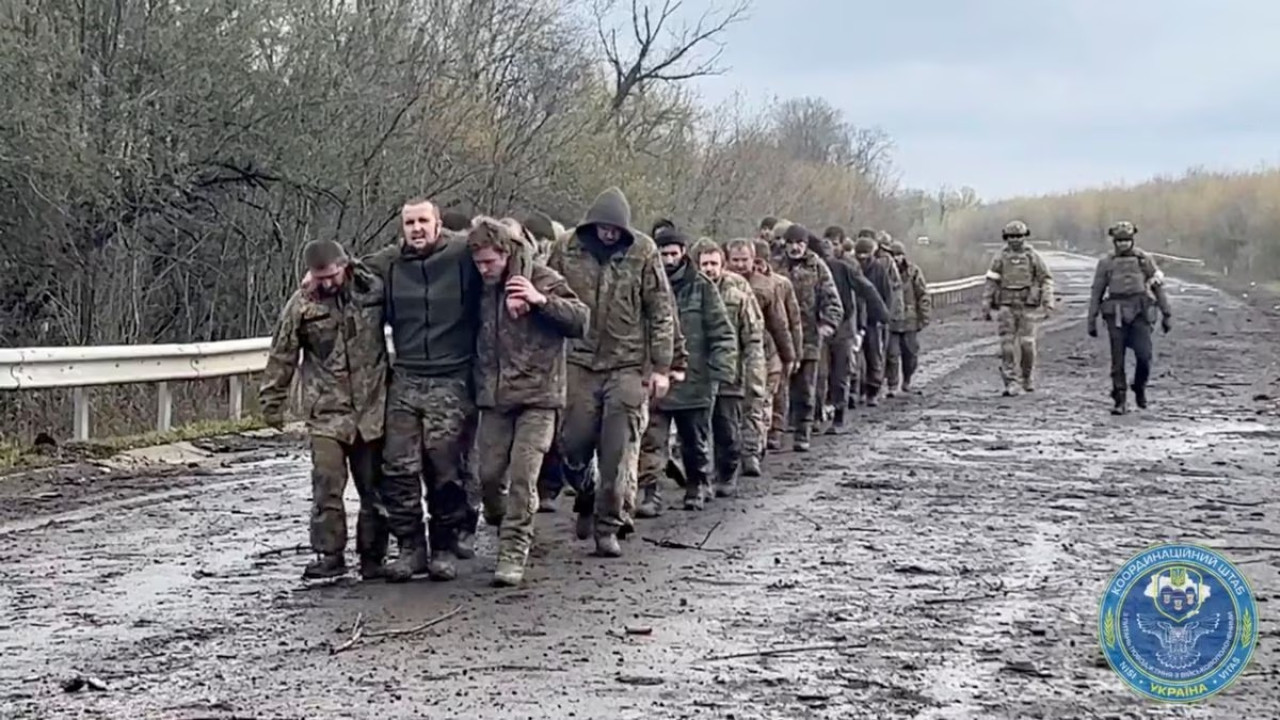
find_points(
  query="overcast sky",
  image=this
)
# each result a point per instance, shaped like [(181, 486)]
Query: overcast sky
[(1028, 96)]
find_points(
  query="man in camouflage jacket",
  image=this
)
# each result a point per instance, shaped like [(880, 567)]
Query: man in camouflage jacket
[(903, 354), (336, 326), (622, 364), (520, 383), (820, 313), (780, 407), (779, 347)]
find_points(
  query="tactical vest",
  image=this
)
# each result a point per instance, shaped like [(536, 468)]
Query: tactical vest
[(1017, 271), (1127, 277)]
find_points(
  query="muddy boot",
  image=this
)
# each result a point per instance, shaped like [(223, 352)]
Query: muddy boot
[(1119, 397), (509, 573), (584, 504), (907, 389), (1010, 389), (872, 399), (1140, 397), (837, 423), (694, 499), (726, 487), (372, 568), (1028, 385), (803, 434), (751, 466), (650, 503), (326, 565), (442, 566), (607, 545), (412, 560), (774, 441), (546, 505)]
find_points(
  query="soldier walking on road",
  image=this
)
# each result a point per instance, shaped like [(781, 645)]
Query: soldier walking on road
[(729, 416), (875, 340), (820, 313), (337, 327), (779, 347), (904, 345), (520, 383), (1127, 287), (837, 365), (1018, 283), (432, 305), (622, 365), (780, 409), (711, 346)]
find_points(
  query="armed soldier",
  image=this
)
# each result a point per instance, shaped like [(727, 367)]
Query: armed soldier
[(520, 383), (779, 345), (336, 326), (1018, 283), (711, 346), (821, 314), (904, 344), (730, 415), (1127, 287), (620, 367)]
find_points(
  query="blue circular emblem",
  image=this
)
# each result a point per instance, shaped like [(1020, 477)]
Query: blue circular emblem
[(1178, 623)]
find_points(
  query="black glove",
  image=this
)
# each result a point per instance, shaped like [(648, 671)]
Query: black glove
[(1166, 324)]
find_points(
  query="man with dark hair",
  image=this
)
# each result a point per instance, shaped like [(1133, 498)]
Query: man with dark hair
[(837, 362), (661, 225), (767, 224), (336, 326), (780, 407), (821, 313), (520, 383)]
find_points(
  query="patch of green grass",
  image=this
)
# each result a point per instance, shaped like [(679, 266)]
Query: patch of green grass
[(15, 457)]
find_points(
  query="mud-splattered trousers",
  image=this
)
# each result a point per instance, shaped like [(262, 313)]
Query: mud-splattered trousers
[(835, 371), (1132, 335), (758, 424), (1017, 329), (873, 351), (330, 462), (512, 444), (902, 359), (726, 434), (426, 431), (605, 416), (781, 420), (804, 392), (693, 432)]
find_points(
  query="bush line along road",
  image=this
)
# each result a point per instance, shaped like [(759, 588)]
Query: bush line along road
[(943, 560)]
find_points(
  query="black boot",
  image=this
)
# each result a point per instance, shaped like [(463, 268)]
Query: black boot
[(1140, 396), (412, 560), (326, 565), (1119, 397)]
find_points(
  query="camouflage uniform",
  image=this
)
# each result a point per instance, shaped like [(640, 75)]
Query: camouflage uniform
[(819, 306), (904, 345), (343, 377), (779, 387), (432, 305), (779, 350), (520, 379), (631, 333), (1127, 288), (728, 420), (711, 343), (1018, 282)]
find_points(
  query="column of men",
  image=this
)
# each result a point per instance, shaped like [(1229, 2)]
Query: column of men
[(527, 356)]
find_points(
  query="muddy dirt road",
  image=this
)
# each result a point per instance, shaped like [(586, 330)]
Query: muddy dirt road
[(943, 560)]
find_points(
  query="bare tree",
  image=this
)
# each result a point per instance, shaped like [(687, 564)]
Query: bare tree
[(662, 53)]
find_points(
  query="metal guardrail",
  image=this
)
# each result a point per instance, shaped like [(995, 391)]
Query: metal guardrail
[(84, 367)]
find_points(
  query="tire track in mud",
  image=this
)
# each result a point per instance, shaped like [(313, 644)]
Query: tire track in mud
[(949, 537)]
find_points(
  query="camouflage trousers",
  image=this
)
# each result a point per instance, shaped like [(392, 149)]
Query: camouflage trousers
[(804, 393), (726, 434), (693, 431), (758, 418), (902, 359), (426, 436), (1017, 330), (330, 462), (835, 369), (510, 448), (605, 417), (873, 350)]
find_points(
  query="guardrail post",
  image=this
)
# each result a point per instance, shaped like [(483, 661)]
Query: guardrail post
[(80, 408), (164, 407), (235, 388)]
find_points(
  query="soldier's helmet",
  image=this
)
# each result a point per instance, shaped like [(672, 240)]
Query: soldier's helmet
[(1015, 229), (897, 248), (1123, 230)]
